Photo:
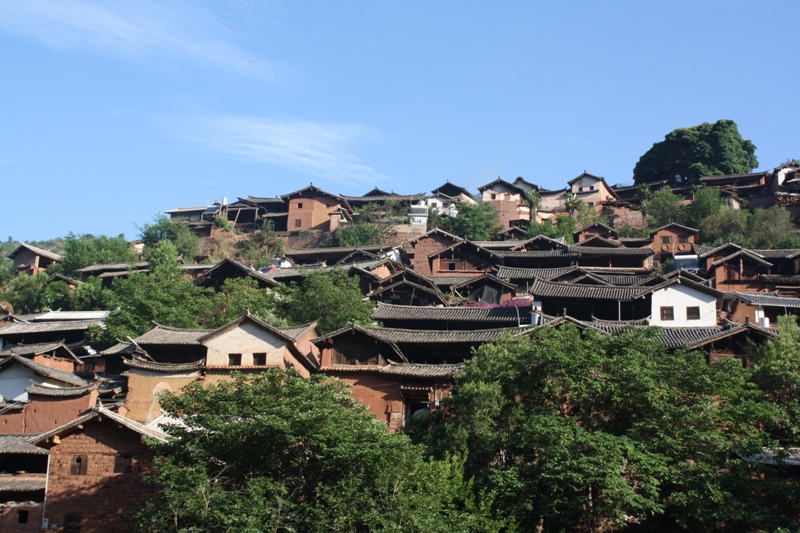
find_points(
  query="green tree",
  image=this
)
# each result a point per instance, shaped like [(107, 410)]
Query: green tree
[(581, 432), (27, 293), (772, 228), (707, 201), (175, 230), (358, 234), (163, 296), (238, 296), (274, 452), (686, 154), (84, 250), (476, 222), (726, 225), (662, 208), (331, 297), (564, 226)]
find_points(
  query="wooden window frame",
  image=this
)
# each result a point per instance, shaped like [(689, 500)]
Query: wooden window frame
[(667, 313), (78, 464), (123, 464), (693, 312), (666, 239), (263, 359), (234, 359)]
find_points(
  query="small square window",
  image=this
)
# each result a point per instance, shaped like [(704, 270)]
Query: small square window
[(591, 187), (299, 205), (494, 197), (298, 223), (234, 359), (77, 465), (123, 464), (683, 239), (667, 313), (451, 266), (692, 313), (259, 359), (22, 517), (666, 239)]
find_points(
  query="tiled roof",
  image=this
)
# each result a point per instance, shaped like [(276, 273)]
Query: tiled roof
[(404, 282), (625, 280), (19, 444), (686, 337), (49, 327), (504, 272), (23, 483), (166, 368), (766, 300), (597, 250), (343, 249), (448, 281), (505, 315), (32, 349), (400, 369), (538, 253), (413, 336), (550, 289), (777, 278), (37, 251), (71, 315), (48, 372), (98, 412), (166, 335), (57, 392), (775, 456), (398, 197), (295, 332), (497, 245), (733, 176), (114, 266), (777, 254), (119, 349), (674, 225), (741, 253)]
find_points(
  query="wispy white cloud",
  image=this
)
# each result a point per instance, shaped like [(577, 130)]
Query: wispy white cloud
[(144, 29), (311, 147)]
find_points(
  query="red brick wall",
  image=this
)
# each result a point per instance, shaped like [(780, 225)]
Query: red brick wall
[(101, 497), (9, 517), (425, 246), (313, 214), (42, 414), (53, 362), (675, 247)]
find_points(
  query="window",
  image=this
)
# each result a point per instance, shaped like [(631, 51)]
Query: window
[(580, 189), (451, 266), (494, 197), (77, 465), (692, 313), (22, 517), (591, 187), (666, 239), (122, 464), (72, 523), (298, 223), (234, 359), (259, 359), (683, 239), (667, 313), (299, 205)]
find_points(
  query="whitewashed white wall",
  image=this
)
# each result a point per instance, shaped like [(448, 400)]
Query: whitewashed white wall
[(679, 297)]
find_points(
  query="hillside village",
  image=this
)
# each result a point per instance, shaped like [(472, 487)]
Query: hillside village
[(435, 297)]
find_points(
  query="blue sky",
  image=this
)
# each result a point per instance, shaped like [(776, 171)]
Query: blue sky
[(111, 112)]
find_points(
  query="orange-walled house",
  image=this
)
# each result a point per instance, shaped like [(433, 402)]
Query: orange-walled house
[(508, 199), (673, 239), (593, 190), (314, 209)]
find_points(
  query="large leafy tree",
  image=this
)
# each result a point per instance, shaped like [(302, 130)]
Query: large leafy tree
[(175, 230), (238, 296), (686, 154), (662, 207), (476, 222), (85, 250), (332, 297), (163, 296), (587, 433), (274, 452)]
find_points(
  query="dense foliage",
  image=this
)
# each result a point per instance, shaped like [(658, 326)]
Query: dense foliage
[(333, 298), (84, 250), (274, 452), (174, 230), (476, 222), (591, 433), (686, 154)]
